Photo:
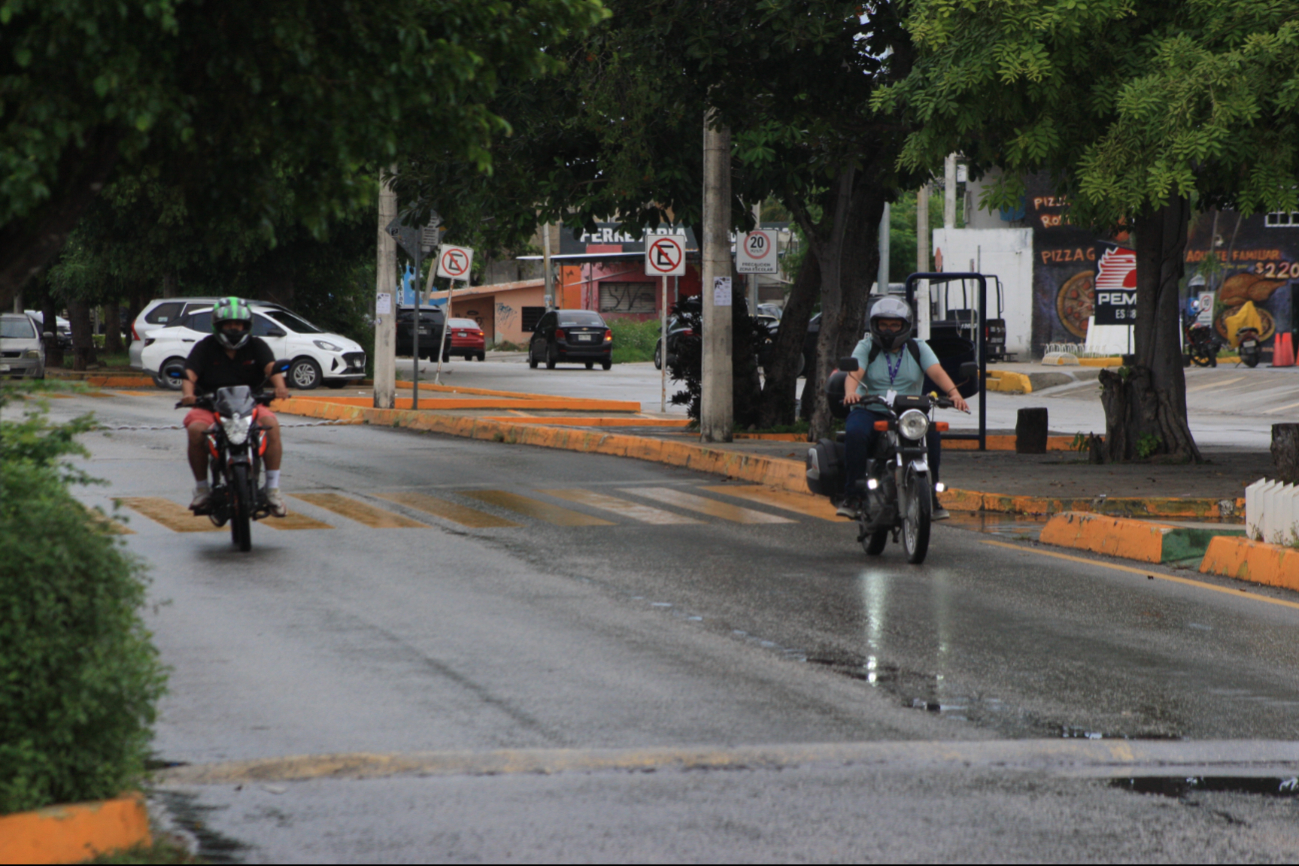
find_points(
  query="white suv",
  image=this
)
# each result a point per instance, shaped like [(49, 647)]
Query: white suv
[(159, 313), (318, 357)]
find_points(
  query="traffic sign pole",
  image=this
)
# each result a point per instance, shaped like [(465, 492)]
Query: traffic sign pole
[(663, 349)]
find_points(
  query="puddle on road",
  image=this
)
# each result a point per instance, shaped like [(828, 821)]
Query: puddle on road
[(1267, 786), (1020, 527)]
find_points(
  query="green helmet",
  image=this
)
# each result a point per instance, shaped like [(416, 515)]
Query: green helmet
[(229, 310)]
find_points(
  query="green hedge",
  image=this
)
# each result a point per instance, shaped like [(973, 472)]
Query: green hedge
[(633, 341), (79, 677)]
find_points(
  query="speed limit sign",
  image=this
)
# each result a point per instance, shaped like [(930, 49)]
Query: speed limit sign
[(755, 253)]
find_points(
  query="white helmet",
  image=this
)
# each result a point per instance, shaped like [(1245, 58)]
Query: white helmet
[(891, 308)]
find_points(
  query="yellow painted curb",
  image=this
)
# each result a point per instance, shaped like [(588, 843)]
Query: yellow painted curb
[(1136, 506), (1100, 362), (70, 834), (1115, 536), (1008, 382), (1255, 561)]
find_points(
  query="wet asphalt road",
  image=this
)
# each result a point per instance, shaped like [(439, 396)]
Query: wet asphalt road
[(632, 634)]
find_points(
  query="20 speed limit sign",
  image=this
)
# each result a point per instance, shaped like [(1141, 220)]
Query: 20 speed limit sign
[(665, 255), (454, 262), (755, 253)]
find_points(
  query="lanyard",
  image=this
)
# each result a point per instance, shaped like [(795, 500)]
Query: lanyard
[(893, 371)]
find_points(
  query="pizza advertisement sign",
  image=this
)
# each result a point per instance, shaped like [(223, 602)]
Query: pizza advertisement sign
[(454, 262), (755, 253), (665, 255), (1115, 288)]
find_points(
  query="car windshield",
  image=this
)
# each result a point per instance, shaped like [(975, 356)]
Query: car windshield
[(293, 323), (580, 320), (463, 323), (17, 329)]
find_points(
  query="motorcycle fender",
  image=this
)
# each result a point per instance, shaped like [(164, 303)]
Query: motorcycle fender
[(920, 466), (240, 456)]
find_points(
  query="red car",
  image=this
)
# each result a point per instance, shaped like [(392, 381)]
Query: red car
[(466, 339)]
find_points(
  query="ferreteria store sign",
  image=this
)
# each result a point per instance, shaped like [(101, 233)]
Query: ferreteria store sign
[(608, 239)]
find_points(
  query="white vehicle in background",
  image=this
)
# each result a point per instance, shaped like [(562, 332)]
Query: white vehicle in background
[(159, 313), (22, 354), (63, 328), (318, 357)]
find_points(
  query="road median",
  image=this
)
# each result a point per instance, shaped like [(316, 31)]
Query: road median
[(1142, 540), (1255, 561)]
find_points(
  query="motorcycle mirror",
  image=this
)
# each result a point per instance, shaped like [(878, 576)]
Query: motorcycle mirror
[(848, 365), (969, 370)]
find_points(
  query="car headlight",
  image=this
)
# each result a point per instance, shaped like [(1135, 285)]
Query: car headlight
[(913, 424), (236, 429), (327, 346), (32, 354)]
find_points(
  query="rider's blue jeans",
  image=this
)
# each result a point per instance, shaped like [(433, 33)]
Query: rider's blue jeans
[(860, 438)]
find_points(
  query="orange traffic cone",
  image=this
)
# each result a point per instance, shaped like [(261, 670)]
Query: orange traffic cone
[(1283, 350)]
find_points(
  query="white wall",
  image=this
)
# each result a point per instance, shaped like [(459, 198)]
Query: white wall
[(1005, 253)]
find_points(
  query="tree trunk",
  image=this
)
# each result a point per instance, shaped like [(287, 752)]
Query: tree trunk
[(1285, 452), (1145, 405), (829, 253), (170, 284), (83, 344), (776, 405), (112, 328), (50, 324)]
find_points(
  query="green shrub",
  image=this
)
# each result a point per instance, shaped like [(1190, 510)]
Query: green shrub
[(633, 341), (79, 677)]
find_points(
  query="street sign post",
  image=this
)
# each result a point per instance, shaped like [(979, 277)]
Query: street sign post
[(454, 264), (410, 239), (665, 255), (755, 253)]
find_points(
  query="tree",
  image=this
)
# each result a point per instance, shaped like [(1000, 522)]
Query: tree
[(1136, 109), (318, 93)]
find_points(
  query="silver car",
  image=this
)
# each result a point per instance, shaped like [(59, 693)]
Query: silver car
[(21, 352)]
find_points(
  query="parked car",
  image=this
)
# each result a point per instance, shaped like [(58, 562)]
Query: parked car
[(677, 330), (21, 353), (318, 357), (63, 328), (159, 313), (467, 339), (773, 310), (564, 336), (430, 326)]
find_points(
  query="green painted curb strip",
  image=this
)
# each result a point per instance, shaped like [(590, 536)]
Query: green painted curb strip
[(1184, 543)]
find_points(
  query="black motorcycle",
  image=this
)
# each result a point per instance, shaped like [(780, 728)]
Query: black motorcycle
[(1250, 346), (236, 445), (1201, 345), (898, 491)]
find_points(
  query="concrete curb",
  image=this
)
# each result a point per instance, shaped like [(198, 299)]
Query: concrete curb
[(73, 833), (1255, 561), (1116, 506), (1141, 540), (1007, 382)]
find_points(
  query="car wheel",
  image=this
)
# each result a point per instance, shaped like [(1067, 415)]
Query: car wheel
[(305, 374), (658, 356), (532, 357), (607, 365), (590, 365), (482, 356), (552, 357), (169, 382)]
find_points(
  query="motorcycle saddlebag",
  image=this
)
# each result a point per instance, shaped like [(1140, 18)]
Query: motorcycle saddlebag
[(825, 469)]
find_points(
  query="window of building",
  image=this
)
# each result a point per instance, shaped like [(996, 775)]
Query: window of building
[(626, 297), (531, 316), (1282, 219)]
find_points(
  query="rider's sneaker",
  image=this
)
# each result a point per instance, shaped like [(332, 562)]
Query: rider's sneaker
[(849, 509), (275, 500), (202, 495), (941, 513)]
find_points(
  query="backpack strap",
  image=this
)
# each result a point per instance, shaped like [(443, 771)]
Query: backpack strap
[(912, 347)]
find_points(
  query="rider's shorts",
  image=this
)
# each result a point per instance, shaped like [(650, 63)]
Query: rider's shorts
[(261, 414)]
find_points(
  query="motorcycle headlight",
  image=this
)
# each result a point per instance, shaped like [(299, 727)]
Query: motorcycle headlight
[(913, 424), (327, 346), (236, 429)]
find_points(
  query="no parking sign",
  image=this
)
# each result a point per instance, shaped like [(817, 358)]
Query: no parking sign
[(454, 262)]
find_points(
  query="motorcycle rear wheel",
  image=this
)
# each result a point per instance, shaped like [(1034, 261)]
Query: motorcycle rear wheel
[(242, 502), (917, 515)]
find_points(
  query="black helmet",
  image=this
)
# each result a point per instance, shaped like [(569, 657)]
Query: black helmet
[(891, 308)]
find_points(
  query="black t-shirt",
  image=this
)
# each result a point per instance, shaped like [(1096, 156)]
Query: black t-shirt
[(216, 369)]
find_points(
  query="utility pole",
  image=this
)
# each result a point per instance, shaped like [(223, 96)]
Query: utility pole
[(922, 259), (385, 300), (949, 192), (753, 278), (882, 275), (545, 263), (717, 412)]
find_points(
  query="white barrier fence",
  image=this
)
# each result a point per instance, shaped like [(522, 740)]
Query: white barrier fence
[(1272, 512)]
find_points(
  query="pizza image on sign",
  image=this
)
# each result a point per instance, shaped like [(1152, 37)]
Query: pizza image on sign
[(1075, 301)]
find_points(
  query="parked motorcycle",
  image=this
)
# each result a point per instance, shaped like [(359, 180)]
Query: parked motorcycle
[(1249, 343), (898, 490), (1201, 345), (235, 447)]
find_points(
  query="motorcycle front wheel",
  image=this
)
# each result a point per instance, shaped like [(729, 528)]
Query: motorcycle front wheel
[(874, 542), (243, 500), (918, 512)]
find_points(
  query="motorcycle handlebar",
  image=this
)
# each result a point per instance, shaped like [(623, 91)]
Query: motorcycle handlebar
[(204, 401)]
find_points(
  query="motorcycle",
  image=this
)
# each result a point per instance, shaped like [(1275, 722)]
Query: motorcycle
[(1201, 344), (1248, 342), (235, 448), (897, 491)]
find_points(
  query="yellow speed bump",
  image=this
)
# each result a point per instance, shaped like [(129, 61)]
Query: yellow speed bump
[(375, 518), (470, 517), (553, 514), (621, 507), (172, 515)]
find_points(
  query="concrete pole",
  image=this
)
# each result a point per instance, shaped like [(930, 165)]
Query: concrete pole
[(922, 259), (882, 276), (545, 263), (717, 411), (753, 278), (385, 288), (949, 192)]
